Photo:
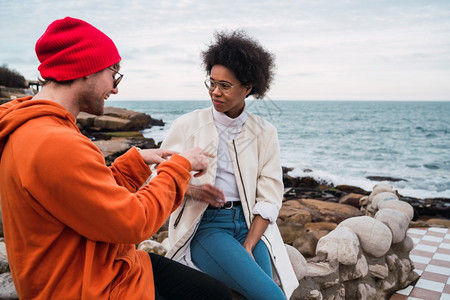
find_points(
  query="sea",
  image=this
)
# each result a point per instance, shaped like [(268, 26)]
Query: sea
[(345, 142)]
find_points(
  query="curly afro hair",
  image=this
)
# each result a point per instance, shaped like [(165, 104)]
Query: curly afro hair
[(251, 63)]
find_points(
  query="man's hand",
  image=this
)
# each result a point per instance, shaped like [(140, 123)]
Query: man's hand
[(155, 156), (197, 157), (207, 193)]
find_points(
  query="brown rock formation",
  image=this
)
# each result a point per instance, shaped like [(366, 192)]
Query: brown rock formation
[(117, 130)]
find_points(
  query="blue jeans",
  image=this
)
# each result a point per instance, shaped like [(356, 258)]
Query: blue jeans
[(217, 250)]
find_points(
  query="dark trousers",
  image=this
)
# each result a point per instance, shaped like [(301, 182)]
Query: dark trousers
[(176, 281)]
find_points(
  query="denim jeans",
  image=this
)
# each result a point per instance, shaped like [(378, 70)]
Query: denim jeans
[(217, 250)]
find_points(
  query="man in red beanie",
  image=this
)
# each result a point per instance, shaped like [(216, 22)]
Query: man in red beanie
[(70, 222)]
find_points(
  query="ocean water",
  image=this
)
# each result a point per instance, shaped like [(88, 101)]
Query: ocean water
[(343, 142)]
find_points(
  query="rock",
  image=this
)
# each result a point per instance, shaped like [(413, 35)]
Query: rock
[(392, 261), (329, 274), (306, 238), (306, 242), (407, 276), (286, 170), (436, 222), (379, 188), (396, 220), (367, 292), (436, 207), (314, 295), (7, 288), (341, 244), (116, 131), (355, 271), (322, 269), (138, 121), (298, 262), (109, 123), (320, 193), (161, 236), (378, 267), (290, 231), (351, 199), (113, 147), (349, 189), (375, 237), (381, 197), (4, 265), (322, 211), (385, 178), (85, 120), (293, 211), (398, 205), (114, 119), (166, 243), (320, 226), (404, 246), (304, 182), (152, 246)]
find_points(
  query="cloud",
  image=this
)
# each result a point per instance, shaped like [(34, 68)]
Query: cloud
[(324, 49)]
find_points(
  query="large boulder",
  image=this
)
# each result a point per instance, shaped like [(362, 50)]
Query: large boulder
[(294, 212), (341, 244), (398, 205), (396, 220), (375, 237), (114, 119), (322, 211)]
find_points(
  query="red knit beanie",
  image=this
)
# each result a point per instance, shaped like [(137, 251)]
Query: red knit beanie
[(71, 48)]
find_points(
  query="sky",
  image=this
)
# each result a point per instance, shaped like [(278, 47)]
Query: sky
[(325, 50)]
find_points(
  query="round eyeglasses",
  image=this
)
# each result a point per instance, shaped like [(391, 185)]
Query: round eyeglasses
[(117, 77), (224, 86)]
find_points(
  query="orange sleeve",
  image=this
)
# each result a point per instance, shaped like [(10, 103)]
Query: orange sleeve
[(66, 172), (130, 170)]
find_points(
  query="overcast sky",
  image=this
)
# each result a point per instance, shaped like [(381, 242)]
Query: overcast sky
[(325, 50)]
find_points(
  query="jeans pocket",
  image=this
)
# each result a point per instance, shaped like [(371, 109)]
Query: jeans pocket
[(209, 215)]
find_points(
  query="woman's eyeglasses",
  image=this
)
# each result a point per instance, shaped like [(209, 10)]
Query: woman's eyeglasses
[(224, 86)]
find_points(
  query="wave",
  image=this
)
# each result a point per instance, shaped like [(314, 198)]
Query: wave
[(361, 181)]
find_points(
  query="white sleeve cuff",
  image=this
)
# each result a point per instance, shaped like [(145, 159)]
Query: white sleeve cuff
[(266, 210)]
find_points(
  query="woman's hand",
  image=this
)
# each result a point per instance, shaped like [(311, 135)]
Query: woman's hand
[(198, 159), (257, 229), (207, 193)]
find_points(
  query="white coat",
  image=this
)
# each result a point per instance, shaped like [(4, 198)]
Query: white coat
[(257, 168)]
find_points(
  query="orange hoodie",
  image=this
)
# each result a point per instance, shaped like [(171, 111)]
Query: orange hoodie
[(70, 222)]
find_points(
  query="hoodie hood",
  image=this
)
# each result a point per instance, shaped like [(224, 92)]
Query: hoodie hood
[(15, 113)]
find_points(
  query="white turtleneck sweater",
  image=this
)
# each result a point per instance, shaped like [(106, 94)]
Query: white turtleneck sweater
[(228, 129)]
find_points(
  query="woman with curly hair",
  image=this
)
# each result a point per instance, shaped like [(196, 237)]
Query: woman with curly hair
[(226, 225)]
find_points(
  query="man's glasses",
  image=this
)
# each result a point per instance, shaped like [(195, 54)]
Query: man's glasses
[(117, 77), (224, 86)]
